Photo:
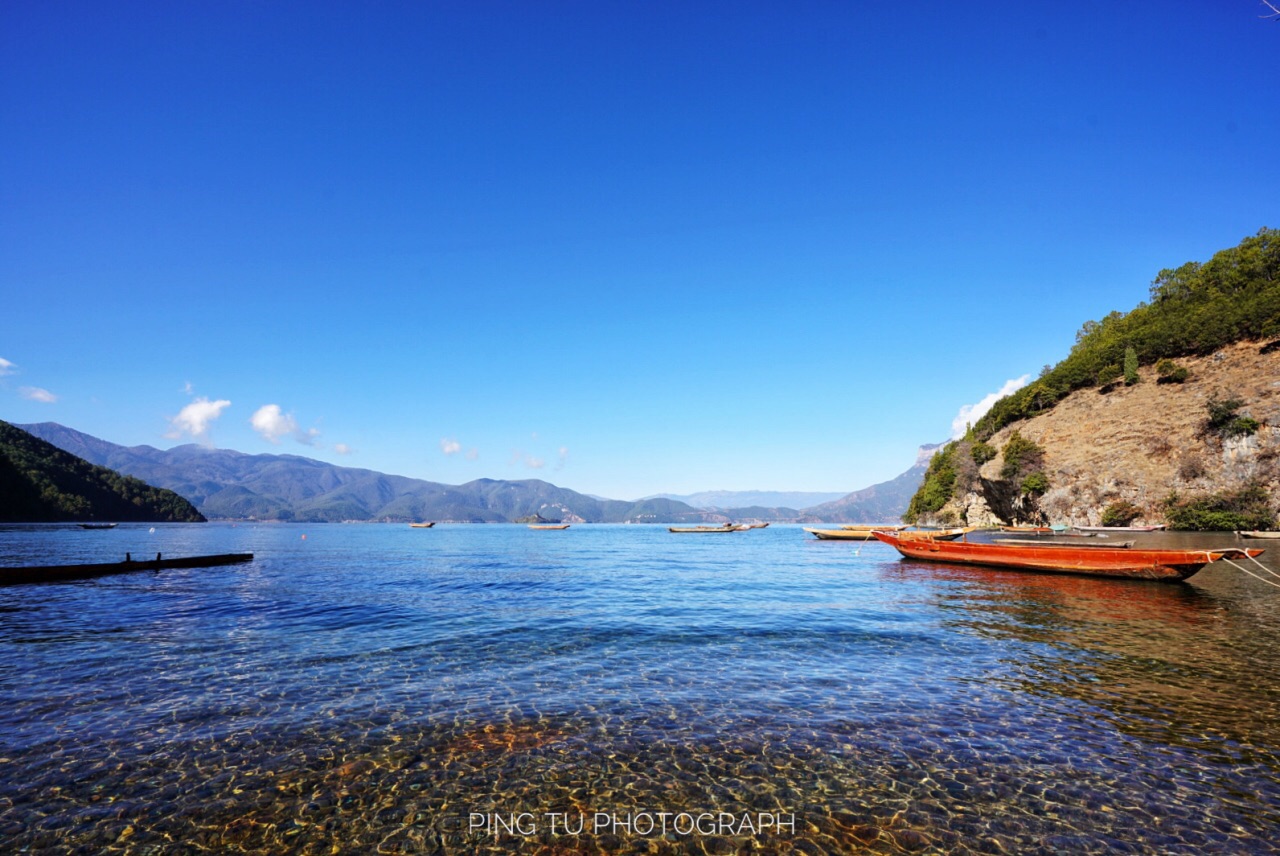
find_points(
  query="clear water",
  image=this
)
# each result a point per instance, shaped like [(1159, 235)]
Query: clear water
[(384, 689)]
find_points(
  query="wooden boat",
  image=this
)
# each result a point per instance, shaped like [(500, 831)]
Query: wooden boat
[(422, 525), (549, 525), (728, 527), (1119, 528), (841, 534), (60, 573), (1030, 530), (98, 525), (757, 525), (935, 534), (1165, 565), (1259, 534), (869, 534), (868, 527)]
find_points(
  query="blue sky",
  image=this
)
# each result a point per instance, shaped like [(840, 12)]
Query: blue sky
[(624, 247)]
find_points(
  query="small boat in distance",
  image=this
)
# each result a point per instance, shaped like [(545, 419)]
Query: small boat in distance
[(1257, 533), (728, 527), (98, 525), (1106, 561), (868, 527), (422, 525), (549, 525), (1155, 528)]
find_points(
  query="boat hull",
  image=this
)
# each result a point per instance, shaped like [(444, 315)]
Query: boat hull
[(63, 573), (869, 534), (1125, 563), (841, 534)]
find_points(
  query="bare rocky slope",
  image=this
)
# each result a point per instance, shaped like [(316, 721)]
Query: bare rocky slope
[(1140, 443)]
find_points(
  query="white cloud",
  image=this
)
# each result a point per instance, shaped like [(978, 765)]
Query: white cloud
[(971, 413), (7, 368), (35, 393), (450, 446), (342, 449), (473, 454), (188, 389), (564, 457), (534, 463), (196, 417), (272, 423)]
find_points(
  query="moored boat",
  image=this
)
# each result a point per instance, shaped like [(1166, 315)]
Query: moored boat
[(936, 534), (869, 527), (728, 527), (422, 525), (1155, 528), (98, 525), (843, 534), (1260, 534), (1108, 561), (549, 525)]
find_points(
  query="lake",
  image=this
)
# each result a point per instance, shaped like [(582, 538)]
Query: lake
[(620, 689)]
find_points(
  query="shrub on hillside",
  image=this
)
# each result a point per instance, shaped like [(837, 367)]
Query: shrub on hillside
[(1246, 508), (1020, 455), (1109, 374), (1225, 421), (1167, 371), (1191, 468), (1120, 513), (1035, 483), (982, 452)]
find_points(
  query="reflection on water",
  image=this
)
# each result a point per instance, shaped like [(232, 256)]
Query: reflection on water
[(492, 689)]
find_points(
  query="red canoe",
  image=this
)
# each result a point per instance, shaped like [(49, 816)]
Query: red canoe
[(1166, 565)]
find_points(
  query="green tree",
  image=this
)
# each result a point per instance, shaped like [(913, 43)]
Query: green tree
[(1130, 366)]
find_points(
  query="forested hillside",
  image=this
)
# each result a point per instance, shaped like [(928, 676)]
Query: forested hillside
[(1194, 310), (1167, 413), (41, 483)]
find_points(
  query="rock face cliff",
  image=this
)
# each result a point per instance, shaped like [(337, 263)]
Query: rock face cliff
[(1135, 444)]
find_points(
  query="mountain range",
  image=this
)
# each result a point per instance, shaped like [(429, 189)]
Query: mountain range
[(225, 484)]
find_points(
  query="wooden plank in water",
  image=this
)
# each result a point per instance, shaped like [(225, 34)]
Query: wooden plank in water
[(60, 573)]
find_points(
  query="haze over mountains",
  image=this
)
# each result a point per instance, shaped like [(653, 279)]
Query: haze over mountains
[(227, 484), (744, 498)]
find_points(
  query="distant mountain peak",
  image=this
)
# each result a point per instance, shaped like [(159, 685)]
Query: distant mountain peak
[(926, 452)]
